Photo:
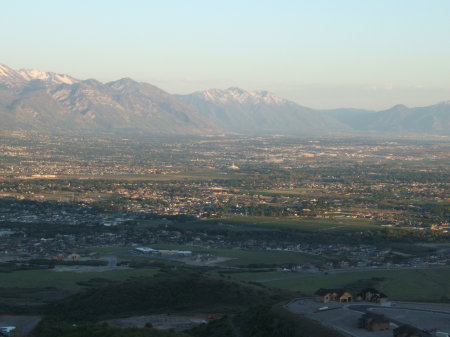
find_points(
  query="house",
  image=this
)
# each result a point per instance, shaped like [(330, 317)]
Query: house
[(7, 331), (345, 297), (373, 322), (371, 295), (408, 331), (73, 257), (327, 295)]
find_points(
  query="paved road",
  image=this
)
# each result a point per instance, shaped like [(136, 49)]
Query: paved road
[(302, 274), (344, 317), (366, 308)]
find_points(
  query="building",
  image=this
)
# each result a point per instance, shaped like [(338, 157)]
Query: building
[(408, 331), (162, 252), (328, 295), (372, 295), (373, 322), (7, 330), (233, 167), (73, 257)]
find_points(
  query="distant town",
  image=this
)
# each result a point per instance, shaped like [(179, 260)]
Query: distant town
[(273, 211)]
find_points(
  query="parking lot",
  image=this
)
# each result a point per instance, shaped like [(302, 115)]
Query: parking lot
[(419, 318), (344, 316)]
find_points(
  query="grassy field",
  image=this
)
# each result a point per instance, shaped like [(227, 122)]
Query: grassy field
[(267, 257), (293, 191), (246, 257), (194, 174), (239, 257), (406, 285), (264, 277), (336, 224), (64, 280), (260, 223)]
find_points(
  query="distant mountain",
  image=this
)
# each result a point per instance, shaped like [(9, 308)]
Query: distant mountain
[(259, 112), (44, 101), (36, 100), (433, 119), (346, 115)]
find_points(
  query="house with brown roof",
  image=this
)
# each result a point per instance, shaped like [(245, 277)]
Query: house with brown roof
[(371, 295), (373, 322), (328, 295)]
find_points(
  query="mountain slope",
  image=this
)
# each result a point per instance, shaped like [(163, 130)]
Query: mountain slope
[(9, 78), (35, 100), (433, 119), (44, 101), (259, 112), (156, 108)]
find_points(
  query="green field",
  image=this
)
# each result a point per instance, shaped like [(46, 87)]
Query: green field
[(337, 224), (247, 257), (43, 278), (405, 285), (265, 277), (194, 174), (292, 191), (261, 223)]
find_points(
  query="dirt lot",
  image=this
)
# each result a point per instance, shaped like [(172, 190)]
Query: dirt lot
[(161, 322), (85, 269), (23, 324)]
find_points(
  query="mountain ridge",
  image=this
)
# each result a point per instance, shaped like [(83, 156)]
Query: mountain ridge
[(35, 100), (46, 101), (259, 112), (400, 119)]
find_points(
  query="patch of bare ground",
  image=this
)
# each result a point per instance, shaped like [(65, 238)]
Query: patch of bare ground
[(161, 322)]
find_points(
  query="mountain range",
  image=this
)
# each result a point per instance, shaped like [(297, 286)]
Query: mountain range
[(259, 112), (46, 101)]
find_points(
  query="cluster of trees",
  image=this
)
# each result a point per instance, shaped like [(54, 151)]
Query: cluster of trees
[(263, 321), (54, 327), (255, 321), (171, 292), (76, 316)]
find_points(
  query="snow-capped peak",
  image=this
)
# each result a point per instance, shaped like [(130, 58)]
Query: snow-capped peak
[(9, 76), (5, 71), (234, 94), (34, 74), (12, 78)]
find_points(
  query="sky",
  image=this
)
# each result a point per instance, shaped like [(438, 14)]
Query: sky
[(368, 54)]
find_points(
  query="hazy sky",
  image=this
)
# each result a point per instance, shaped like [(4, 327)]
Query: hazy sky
[(323, 54)]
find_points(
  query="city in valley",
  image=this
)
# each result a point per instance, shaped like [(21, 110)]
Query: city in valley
[(225, 168), (344, 236)]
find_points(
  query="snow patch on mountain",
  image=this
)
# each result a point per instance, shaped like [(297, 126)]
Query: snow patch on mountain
[(10, 77), (34, 74), (237, 95), (13, 78)]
